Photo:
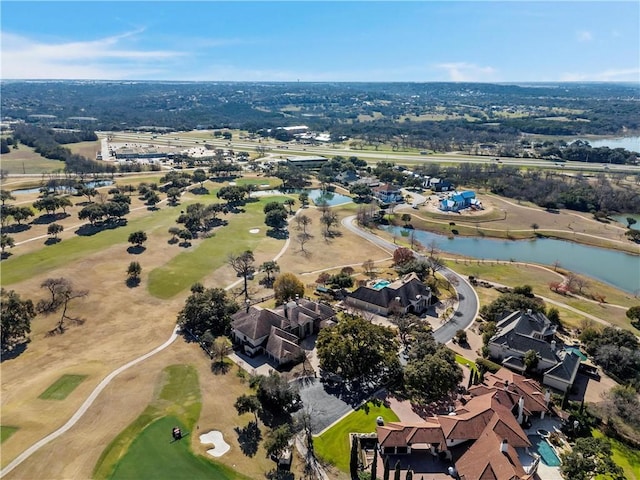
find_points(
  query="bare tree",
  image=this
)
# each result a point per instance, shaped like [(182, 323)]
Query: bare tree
[(243, 266), (369, 268), (432, 248), (581, 283), (302, 222), (62, 292), (303, 238)]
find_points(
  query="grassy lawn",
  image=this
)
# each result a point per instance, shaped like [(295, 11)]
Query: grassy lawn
[(6, 432), (333, 445), (144, 448), (185, 269), (26, 160), (62, 387), (153, 455), (624, 456), (466, 362)]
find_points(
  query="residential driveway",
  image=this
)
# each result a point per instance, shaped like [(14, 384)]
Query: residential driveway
[(468, 303), (324, 406)]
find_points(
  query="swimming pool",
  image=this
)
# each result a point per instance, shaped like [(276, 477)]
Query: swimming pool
[(380, 284), (540, 446), (577, 351)]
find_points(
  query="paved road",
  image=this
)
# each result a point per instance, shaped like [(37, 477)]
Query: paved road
[(468, 304)]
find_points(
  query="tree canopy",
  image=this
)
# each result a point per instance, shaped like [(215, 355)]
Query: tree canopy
[(287, 287), (208, 309), (358, 349), (16, 318)]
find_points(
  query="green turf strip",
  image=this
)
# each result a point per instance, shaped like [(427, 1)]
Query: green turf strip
[(154, 454), (6, 432), (62, 387)]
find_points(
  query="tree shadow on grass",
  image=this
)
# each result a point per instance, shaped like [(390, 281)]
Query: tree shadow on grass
[(220, 368), (5, 255), (249, 438), (49, 218), (15, 352), (89, 229), (52, 241), (15, 228), (136, 249), (278, 233)]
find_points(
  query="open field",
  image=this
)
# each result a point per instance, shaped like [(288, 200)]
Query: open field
[(333, 445), (26, 160), (62, 387), (86, 149)]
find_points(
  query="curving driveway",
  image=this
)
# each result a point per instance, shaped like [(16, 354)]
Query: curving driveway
[(468, 303)]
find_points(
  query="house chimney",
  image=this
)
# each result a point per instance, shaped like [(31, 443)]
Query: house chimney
[(529, 311), (506, 384), (547, 397), (504, 446), (297, 298), (553, 345), (286, 311), (521, 410), (247, 303)]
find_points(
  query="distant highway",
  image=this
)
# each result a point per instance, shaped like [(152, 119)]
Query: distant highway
[(176, 139)]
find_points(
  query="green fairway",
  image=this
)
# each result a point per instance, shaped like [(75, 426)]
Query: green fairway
[(623, 455), (6, 432), (187, 268), (144, 448), (62, 387), (333, 445), (154, 454)]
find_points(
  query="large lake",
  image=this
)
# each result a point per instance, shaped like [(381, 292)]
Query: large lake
[(629, 143), (616, 268)]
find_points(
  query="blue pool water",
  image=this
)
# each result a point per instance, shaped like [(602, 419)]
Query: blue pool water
[(540, 446), (380, 284), (577, 351)]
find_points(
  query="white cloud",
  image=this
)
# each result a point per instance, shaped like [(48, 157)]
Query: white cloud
[(467, 72), (609, 75), (104, 58), (584, 36)]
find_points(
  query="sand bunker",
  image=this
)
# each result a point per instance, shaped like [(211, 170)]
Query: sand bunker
[(254, 230), (214, 437)]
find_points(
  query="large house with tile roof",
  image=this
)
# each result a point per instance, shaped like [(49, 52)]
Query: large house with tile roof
[(277, 332), (485, 432), (406, 295), (519, 332)]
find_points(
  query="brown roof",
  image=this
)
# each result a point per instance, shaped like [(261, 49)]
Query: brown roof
[(402, 434), (513, 387), (485, 461), (257, 322), (283, 346)]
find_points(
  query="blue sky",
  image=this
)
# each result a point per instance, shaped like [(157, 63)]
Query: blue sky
[(480, 41)]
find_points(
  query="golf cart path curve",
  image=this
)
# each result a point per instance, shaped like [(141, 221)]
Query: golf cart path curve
[(85, 406)]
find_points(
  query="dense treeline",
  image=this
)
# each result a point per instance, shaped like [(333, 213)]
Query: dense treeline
[(46, 142), (480, 109)]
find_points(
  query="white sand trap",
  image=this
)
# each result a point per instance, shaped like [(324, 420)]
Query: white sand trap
[(214, 437), (254, 230), (232, 183)]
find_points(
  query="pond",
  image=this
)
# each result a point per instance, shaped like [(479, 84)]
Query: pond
[(330, 198), (96, 184), (623, 219), (628, 143), (622, 270)]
